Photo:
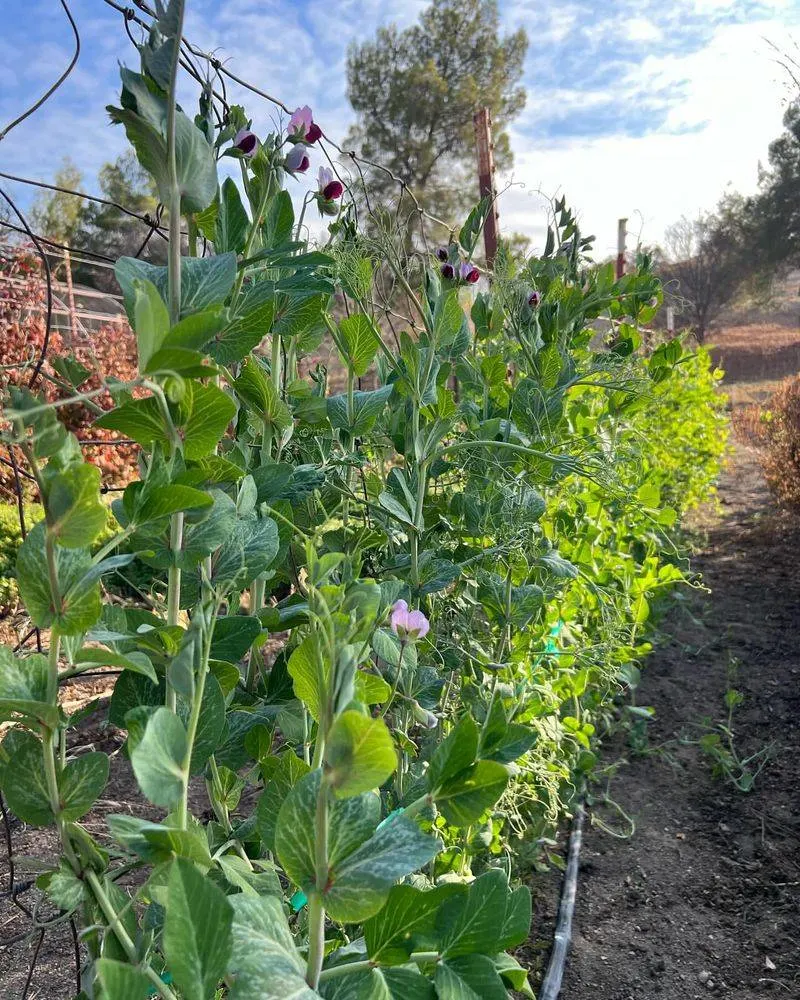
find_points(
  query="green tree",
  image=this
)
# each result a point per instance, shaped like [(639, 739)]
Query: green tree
[(58, 215), (415, 92), (777, 206), (109, 231)]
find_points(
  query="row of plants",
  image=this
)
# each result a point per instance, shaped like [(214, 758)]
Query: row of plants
[(460, 564)]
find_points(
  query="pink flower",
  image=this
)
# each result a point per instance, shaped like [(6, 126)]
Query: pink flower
[(302, 127), (469, 272), (408, 625), (329, 187), (297, 161), (246, 142)]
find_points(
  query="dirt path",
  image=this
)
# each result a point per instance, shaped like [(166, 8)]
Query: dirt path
[(704, 900)]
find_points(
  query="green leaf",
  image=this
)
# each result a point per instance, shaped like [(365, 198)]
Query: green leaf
[(22, 778), (360, 340), (139, 419), (150, 320), (210, 726), (463, 799), (232, 223), (197, 931), (161, 501), (76, 514), (205, 282), (121, 981), (371, 689), (304, 670), (367, 407), (516, 926), (406, 922), (212, 410), (158, 758), (24, 687), (359, 753), (279, 220), (194, 331), (280, 775), (448, 318), (265, 963), (256, 390), (470, 977), (379, 984), (63, 887), (473, 922), (472, 228), (455, 753), (249, 552), (297, 313), (233, 636), (249, 322), (157, 843), (80, 606), (81, 783)]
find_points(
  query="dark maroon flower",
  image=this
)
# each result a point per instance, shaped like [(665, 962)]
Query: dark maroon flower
[(448, 271), (534, 299), (314, 132), (441, 253)]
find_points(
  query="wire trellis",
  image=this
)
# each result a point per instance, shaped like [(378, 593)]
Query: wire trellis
[(211, 73)]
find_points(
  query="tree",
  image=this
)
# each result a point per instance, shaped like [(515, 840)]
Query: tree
[(777, 206), (707, 261), (108, 231), (415, 93), (57, 215)]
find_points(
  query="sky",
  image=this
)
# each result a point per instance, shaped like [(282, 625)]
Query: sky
[(645, 109)]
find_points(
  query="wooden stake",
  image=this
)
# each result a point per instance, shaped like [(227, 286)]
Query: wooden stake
[(622, 232), (485, 148), (73, 315), (670, 320)]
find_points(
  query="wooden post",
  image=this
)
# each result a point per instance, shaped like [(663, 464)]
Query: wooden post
[(670, 320), (485, 148), (622, 232), (73, 316)]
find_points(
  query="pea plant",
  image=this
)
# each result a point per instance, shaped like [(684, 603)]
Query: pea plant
[(456, 564)]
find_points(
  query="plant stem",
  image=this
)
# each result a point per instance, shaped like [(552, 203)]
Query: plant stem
[(115, 924), (174, 589), (174, 250), (316, 909)]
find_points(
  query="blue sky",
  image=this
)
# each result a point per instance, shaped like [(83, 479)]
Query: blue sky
[(638, 108)]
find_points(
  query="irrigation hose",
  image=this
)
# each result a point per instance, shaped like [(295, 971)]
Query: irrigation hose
[(551, 984)]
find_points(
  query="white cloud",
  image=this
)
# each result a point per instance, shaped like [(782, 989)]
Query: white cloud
[(733, 98)]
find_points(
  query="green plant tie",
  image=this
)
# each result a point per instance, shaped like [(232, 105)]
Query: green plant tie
[(298, 901)]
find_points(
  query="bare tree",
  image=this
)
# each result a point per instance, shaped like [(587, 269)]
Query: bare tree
[(706, 263)]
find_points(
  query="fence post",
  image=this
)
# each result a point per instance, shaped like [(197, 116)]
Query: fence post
[(483, 141), (73, 316), (671, 321), (622, 232)]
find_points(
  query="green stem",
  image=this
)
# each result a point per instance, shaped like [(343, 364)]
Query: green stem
[(316, 909), (174, 259), (258, 215), (116, 925), (174, 589)]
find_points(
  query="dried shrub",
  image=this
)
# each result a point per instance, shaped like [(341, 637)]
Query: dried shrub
[(780, 457)]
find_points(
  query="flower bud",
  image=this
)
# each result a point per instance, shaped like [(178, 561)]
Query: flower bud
[(469, 272), (534, 299), (297, 161), (329, 187), (246, 142), (441, 253), (423, 716), (448, 271)]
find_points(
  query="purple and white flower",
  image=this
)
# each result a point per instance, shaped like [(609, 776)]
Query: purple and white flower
[(329, 186), (302, 127), (534, 299), (297, 161), (408, 625), (469, 272), (246, 142)]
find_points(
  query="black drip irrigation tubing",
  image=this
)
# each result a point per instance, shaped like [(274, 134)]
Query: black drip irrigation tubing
[(551, 984)]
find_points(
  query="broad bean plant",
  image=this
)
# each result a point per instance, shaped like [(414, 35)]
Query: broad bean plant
[(379, 625)]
